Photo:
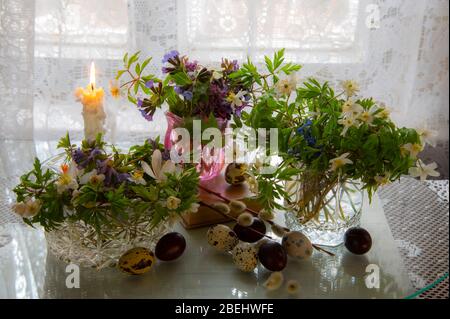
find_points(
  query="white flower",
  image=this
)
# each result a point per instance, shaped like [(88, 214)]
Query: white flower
[(366, 117), (350, 87), (274, 281), (382, 180), (427, 136), (286, 86), (245, 219), (292, 287), (237, 100), (351, 109), (194, 207), (138, 177), (252, 184), (412, 149), (423, 171), (383, 112), (68, 178), (27, 209), (347, 123), (92, 177), (158, 170), (173, 202), (340, 161)]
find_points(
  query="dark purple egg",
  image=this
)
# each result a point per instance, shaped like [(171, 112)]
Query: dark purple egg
[(251, 233), (357, 240), (272, 256), (170, 246)]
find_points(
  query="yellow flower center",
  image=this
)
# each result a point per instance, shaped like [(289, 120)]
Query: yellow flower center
[(65, 179), (231, 97), (115, 92), (138, 174)]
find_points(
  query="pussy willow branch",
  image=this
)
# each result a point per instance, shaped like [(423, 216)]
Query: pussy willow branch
[(254, 214), (233, 218)]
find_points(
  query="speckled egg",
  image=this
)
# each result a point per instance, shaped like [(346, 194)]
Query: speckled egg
[(222, 237), (297, 245), (234, 173), (136, 261), (245, 257)]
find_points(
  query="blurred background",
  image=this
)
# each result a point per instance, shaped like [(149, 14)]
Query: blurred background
[(396, 49)]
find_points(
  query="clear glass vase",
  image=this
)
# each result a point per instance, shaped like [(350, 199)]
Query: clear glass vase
[(79, 243), (322, 208), (212, 160)]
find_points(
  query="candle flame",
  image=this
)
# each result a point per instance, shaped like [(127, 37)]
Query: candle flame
[(92, 76)]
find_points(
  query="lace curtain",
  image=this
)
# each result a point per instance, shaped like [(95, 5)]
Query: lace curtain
[(396, 49)]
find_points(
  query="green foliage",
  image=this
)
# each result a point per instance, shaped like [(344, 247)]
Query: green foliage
[(311, 132), (101, 202)]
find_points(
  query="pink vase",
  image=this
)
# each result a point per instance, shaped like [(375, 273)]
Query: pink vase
[(212, 161)]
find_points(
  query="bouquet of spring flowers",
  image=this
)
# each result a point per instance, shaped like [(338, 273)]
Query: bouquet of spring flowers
[(330, 144), (100, 202), (192, 92), (103, 189)]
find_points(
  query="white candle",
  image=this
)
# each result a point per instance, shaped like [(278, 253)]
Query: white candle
[(93, 113)]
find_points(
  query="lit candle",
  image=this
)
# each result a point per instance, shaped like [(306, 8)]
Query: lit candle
[(93, 113)]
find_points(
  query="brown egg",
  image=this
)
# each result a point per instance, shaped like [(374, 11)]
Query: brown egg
[(170, 246), (248, 234), (272, 256)]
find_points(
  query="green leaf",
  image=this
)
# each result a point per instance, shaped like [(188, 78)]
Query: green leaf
[(149, 193), (145, 63), (137, 69), (278, 59), (133, 59), (269, 64), (120, 73), (64, 142), (181, 78)]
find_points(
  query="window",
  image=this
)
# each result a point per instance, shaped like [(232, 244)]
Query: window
[(312, 31), (81, 29)]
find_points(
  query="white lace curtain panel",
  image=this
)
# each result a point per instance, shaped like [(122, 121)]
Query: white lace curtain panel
[(396, 49)]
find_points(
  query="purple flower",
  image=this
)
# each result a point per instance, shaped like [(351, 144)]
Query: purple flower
[(235, 65), (139, 102), (82, 159), (147, 116), (170, 55), (112, 177), (165, 70), (238, 109), (149, 84), (187, 95), (178, 89), (191, 66), (78, 156), (165, 155)]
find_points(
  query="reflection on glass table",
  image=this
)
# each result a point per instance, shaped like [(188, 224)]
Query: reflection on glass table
[(27, 271)]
